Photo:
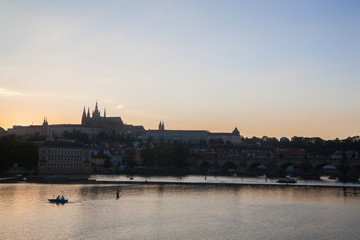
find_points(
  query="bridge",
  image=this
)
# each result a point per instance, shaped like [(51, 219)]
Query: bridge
[(307, 168)]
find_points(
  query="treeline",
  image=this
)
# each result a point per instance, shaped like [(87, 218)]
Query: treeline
[(79, 136), (115, 137), (313, 145), (12, 151)]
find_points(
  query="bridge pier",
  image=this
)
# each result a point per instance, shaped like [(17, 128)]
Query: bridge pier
[(272, 170)]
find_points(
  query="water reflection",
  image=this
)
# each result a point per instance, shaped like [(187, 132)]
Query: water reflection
[(166, 211)]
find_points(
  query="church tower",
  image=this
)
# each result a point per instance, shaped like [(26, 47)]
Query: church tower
[(236, 132), (96, 117), (45, 123), (161, 126), (44, 127), (83, 119)]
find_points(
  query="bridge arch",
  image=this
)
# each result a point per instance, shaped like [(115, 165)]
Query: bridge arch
[(204, 166), (290, 168), (241, 169), (355, 172), (229, 166), (325, 169), (214, 165), (257, 169)]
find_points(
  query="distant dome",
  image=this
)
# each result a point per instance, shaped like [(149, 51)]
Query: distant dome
[(284, 139), (236, 131)]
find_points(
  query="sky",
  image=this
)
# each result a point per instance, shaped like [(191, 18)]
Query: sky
[(270, 68)]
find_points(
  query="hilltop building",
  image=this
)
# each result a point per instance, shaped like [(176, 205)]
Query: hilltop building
[(95, 123), (41, 130), (161, 126), (91, 125), (233, 137), (189, 136), (96, 120)]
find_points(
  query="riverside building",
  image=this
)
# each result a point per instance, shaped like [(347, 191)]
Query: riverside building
[(64, 157)]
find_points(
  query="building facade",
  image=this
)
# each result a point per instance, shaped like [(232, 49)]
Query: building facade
[(189, 136), (64, 157), (233, 137)]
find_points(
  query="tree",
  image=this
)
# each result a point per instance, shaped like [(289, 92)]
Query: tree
[(107, 163), (129, 158), (148, 155), (179, 155), (212, 142), (12, 151), (229, 144), (76, 135), (102, 136), (220, 142)]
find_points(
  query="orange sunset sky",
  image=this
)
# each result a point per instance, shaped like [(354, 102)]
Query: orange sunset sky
[(274, 68)]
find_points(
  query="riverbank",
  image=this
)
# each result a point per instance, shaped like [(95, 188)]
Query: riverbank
[(231, 184), (187, 180)]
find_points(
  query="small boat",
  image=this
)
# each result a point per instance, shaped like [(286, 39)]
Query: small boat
[(286, 180), (62, 201)]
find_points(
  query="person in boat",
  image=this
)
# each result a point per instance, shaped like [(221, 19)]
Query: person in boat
[(58, 198), (62, 198)]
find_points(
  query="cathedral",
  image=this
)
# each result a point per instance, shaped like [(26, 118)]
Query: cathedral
[(98, 121)]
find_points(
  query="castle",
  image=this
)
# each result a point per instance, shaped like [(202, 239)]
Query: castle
[(90, 125), (94, 124), (97, 121)]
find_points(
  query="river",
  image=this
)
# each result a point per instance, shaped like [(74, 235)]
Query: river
[(179, 211)]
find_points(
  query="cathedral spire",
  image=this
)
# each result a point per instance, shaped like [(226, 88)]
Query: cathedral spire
[(161, 126), (45, 123), (83, 119), (96, 118)]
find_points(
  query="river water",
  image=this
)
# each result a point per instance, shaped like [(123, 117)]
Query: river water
[(168, 211)]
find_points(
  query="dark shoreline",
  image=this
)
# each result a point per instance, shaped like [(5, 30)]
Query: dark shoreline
[(71, 181), (227, 184)]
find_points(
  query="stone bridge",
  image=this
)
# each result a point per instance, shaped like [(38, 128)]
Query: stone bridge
[(307, 168)]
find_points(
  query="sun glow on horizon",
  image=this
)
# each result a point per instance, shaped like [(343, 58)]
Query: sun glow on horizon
[(262, 67)]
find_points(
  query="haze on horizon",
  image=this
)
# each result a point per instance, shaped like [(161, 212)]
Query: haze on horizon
[(274, 68)]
